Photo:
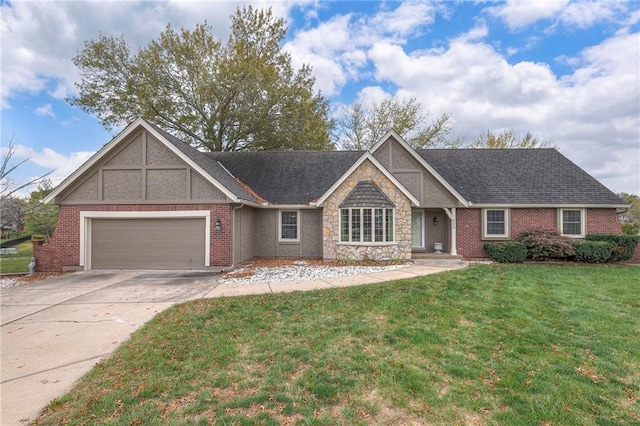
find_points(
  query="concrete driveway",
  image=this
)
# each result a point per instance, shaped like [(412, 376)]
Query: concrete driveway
[(54, 331)]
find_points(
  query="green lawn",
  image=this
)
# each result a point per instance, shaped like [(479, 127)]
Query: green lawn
[(491, 344), (13, 263)]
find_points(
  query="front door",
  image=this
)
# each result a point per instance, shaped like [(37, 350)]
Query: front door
[(417, 229)]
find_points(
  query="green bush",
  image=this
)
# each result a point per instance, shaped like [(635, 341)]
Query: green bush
[(547, 244), (623, 245), (630, 228), (593, 251), (507, 251)]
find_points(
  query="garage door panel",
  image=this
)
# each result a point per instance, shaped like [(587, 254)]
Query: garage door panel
[(148, 243)]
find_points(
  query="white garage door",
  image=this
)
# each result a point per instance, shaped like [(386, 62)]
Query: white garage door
[(148, 243)]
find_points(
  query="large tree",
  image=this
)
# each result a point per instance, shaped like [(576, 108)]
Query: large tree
[(509, 139), (240, 95), (360, 126)]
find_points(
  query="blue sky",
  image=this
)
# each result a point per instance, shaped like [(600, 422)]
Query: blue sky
[(566, 71)]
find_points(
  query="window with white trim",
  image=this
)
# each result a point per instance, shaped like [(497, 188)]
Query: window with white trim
[(366, 225), (289, 225), (572, 222), (495, 223)]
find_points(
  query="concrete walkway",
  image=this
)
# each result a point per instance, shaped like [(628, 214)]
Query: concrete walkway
[(54, 331)]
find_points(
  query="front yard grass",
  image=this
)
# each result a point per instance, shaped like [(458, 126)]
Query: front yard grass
[(491, 344), (16, 263)]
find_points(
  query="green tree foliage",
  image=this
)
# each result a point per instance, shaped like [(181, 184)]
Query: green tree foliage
[(509, 139), (360, 126), (240, 95), (633, 214), (41, 218)]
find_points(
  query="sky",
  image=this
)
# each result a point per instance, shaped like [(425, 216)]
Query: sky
[(566, 71)]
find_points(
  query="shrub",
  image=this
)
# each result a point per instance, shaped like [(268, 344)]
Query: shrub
[(623, 245), (593, 251), (630, 228), (543, 245), (507, 251)]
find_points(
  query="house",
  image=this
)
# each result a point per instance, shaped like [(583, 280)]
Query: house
[(147, 200)]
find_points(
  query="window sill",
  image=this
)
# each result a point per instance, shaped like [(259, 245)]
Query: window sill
[(496, 238), (384, 243)]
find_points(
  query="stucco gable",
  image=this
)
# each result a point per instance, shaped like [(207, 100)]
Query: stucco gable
[(417, 175), (138, 166)]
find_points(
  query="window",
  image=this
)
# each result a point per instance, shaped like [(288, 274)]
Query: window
[(495, 223), (366, 225), (289, 225), (572, 221)]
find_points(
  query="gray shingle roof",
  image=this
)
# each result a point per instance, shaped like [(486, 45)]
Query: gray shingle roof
[(366, 193), (518, 176), (538, 176), (288, 177)]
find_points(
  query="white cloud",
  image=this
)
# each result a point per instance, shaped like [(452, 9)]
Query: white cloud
[(405, 19), (336, 49), (49, 159), (45, 110), (585, 13), (520, 13)]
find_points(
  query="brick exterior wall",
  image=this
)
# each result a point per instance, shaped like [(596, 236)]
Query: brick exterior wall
[(63, 251), (469, 226)]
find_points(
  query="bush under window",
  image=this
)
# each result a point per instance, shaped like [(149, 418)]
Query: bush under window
[(507, 251), (547, 245), (593, 251)]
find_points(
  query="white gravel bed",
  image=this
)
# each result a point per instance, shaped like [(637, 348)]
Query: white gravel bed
[(301, 273), (8, 283)]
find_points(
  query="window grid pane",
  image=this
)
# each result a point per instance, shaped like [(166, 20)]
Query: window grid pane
[(496, 224), (355, 225), (389, 220), (344, 225), (289, 229), (366, 226), (572, 222), (379, 221)]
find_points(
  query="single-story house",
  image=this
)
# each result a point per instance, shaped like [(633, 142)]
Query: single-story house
[(147, 200)]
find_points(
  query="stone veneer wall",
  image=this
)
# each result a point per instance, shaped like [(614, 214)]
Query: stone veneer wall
[(334, 250)]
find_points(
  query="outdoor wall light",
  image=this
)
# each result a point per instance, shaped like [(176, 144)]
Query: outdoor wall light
[(435, 221), (218, 224)]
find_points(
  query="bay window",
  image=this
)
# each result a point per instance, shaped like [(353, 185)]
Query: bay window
[(366, 225)]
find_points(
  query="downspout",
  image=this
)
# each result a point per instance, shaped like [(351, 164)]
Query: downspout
[(233, 230), (452, 217)]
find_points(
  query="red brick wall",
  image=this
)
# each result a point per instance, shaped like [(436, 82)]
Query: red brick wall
[(603, 221), (468, 233), (529, 219), (64, 248), (469, 226)]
